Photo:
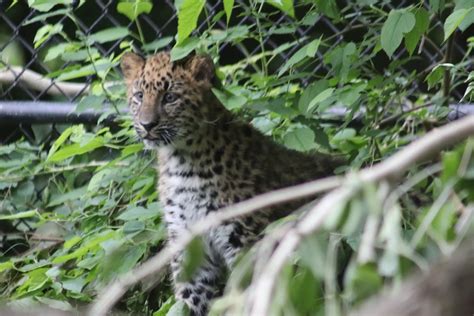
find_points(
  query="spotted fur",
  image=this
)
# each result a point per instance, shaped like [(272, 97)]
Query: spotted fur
[(208, 159)]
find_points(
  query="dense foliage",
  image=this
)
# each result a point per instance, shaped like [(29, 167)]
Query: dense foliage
[(86, 200)]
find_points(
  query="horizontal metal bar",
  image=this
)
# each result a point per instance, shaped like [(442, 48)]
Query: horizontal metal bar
[(41, 112)]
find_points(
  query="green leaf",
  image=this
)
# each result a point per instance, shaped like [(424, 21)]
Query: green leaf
[(122, 260), (25, 214), (303, 290), (139, 213), (309, 50), (7, 265), (342, 60), (453, 21), (165, 307), (398, 23), (76, 149), (45, 32), (437, 5), (133, 227), (133, 8), (310, 93), (413, 37), (329, 8), (184, 49), (46, 5), (301, 138), (435, 76), (228, 6), (469, 18), (178, 309), (323, 96), (74, 285), (188, 14), (86, 246), (193, 257), (157, 44), (284, 5), (108, 35), (363, 281)]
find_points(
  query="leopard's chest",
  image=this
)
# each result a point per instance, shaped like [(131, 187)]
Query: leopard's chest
[(188, 192)]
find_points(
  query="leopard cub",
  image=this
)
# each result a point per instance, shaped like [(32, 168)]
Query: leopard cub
[(207, 159)]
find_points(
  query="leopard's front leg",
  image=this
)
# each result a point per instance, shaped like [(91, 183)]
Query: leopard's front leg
[(204, 285)]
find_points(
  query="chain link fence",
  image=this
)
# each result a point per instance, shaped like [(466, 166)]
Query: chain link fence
[(28, 96)]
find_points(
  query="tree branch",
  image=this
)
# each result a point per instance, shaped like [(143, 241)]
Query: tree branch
[(391, 169), (112, 293), (447, 289), (35, 81)]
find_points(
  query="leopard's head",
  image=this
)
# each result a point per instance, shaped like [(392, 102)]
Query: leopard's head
[(168, 100)]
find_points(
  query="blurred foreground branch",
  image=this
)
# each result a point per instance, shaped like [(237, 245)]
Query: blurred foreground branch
[(447, 289), (38, 82), (392, 169)]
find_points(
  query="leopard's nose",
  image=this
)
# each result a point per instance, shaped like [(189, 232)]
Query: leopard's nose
[(148, 126)]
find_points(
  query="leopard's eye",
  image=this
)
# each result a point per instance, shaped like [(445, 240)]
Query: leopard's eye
[(169, 97), (138, 95)]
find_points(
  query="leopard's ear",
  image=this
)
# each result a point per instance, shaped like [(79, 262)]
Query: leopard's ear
[(131, 64), (202, 68)]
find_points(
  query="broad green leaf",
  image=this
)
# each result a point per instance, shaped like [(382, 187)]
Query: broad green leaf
[(121, 260), (228, 6), (284, 5), (323, 96), (437, 5), (469, 18), (165, 307), (157, 44), (45, 32), (301, 139), (398, 23), (328, 8), (74, 285), (76, 149), (57, 50), (139, 213), (62, 198), (435, 76), (421, 25), (310, 93), (46, 5), (133, 8), (71, 242), (108, 35), (188, 15), (362, 281), (303, 290), (36, 279), (309, 50), (453, 21), (342, 60), (133, 227), (7, 265), (178, 309), (87, 245), (184, 49), (230, 100), (193, 257)]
